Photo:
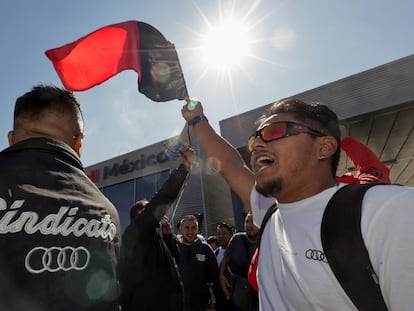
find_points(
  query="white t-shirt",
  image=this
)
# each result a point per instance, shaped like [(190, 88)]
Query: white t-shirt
[(293, 273), (220, 254)]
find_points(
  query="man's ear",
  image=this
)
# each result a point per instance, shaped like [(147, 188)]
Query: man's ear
[(77, 146), (328, 147), (10, 135)]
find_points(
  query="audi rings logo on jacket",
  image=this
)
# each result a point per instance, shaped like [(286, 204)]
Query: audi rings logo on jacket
[(315, 255), (54, 259)]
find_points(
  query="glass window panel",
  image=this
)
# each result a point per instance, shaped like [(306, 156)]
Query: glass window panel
[(145, 187), (162, 178), (122, 196)]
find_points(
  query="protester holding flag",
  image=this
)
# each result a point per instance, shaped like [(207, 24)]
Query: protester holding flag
[(294, 156)]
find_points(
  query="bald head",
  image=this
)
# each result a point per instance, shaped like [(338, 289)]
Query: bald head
[(48, 111)]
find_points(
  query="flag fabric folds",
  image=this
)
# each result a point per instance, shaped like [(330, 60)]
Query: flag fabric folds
[(130, 45)]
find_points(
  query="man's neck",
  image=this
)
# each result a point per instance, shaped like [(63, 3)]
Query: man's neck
[(189, 243)]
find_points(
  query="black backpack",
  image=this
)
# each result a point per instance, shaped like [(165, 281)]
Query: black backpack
[(341, 234)]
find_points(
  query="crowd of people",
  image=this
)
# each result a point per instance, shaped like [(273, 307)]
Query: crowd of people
[(63, 249)]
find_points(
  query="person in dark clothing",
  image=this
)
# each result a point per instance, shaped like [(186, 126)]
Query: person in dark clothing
[(170, 239), (198, 267), (237, 258), (149, 275), (59, 236), (224, 232), (213, 242)]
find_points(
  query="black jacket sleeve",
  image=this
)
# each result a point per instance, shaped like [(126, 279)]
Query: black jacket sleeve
[(161, 201), (170, 241)]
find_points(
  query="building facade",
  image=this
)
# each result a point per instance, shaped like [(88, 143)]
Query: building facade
[(376, 106), (139, 174)]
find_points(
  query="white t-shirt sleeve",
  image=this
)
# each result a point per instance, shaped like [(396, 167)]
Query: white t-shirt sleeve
[(387, 225), (260, 205)]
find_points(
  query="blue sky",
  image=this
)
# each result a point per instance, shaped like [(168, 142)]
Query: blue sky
[(295, 45)]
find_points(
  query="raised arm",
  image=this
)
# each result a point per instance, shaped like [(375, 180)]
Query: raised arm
[(171, 188), (224, 157)]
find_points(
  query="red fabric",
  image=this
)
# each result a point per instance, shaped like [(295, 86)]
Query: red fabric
[(251, 275), (97, 56), (369, 167)]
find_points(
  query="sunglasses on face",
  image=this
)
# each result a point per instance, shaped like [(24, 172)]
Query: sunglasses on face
[(280, 130)]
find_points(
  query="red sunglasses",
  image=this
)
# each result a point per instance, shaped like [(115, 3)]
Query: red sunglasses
[(280, 130)]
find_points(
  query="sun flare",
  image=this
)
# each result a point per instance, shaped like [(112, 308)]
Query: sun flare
[(230, 41), (225, 45)]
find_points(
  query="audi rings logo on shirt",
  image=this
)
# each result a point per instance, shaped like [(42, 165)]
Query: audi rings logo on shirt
[(315, 255), (54, 259)]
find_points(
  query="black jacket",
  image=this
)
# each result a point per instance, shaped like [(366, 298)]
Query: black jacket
[(198, 268), (148, 273), (59, 236)]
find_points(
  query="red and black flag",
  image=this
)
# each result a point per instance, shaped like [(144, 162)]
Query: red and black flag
[(109, 50)]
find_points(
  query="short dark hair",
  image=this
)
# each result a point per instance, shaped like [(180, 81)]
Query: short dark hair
[(47, 97), (212, 239), (227, 226), (189, 218), (315, 114)]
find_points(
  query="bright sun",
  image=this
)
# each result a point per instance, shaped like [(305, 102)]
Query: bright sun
[(225, 45), (229, 40)]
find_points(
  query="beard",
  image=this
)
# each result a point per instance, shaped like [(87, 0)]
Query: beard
[(187, 241), (271, 188)]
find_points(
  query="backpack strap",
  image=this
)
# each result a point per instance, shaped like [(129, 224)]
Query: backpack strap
[(270, 211), (345, 249), (255, 258)]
